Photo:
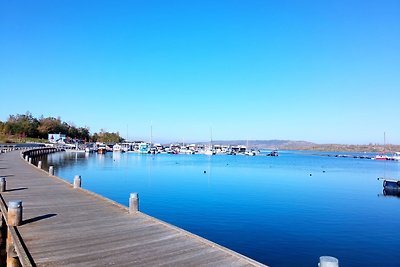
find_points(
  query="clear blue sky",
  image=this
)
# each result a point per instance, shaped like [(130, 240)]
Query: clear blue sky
[(320, 71)]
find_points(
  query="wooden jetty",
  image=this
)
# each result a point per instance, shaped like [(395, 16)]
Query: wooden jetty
[(66, 226)]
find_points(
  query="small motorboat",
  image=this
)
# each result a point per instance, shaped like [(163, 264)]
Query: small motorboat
[(391, 185)]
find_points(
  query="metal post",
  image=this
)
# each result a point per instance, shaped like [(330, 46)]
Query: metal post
[(51, 170), (134, 203), (3, 184), (328, 261), (77, 181)]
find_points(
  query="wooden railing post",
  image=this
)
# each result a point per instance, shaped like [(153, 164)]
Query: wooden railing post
[(3, 184), (2, 229), (14, 218)]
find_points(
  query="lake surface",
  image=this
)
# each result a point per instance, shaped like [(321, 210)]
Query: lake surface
[(281, 211)]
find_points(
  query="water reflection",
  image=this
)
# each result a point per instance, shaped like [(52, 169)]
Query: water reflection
[(389, 192)]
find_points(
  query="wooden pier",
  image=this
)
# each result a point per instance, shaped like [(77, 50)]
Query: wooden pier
[(67, 226)]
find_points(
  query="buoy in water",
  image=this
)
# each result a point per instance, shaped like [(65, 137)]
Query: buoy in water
[(205, 172)]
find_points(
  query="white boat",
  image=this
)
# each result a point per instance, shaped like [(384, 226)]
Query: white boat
[(381, 157), (117, 148), (209, 152), (144, 148), (184, 150), (250, 153), (395, 156), (240, 149)]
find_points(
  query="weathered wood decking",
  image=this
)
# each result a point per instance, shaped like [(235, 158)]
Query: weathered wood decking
[(63, 226)]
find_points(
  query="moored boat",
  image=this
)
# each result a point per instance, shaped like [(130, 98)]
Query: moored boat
[(395, 156), (273, 153), (209, 152), (381, 157), (391, 185), (117, 148), (144, 148), (101, 150)]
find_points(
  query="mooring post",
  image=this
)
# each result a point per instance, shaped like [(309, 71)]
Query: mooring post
[(26, 157), (14, 218), (51, 170), (134, 203), (39, 164), (14, 215), (30, 160), (2, 184), (77, 181), (328, 261)]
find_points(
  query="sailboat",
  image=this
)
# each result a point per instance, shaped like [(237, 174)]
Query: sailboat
[(382, 156), (209, 151)]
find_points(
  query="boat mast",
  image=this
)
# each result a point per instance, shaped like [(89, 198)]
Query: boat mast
[(384, 142), (151, 133), (211, 141)]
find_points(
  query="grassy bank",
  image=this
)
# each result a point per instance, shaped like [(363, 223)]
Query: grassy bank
[(9, 139)]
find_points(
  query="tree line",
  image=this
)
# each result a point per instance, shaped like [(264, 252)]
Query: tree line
[(23, 126)]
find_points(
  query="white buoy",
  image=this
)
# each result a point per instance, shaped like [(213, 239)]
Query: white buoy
[(328, 261)]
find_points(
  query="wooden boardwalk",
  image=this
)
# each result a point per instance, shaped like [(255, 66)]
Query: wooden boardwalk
[(63, 226)]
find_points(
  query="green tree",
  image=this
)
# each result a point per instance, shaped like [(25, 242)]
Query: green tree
[(107, 137), (52, 125), (22, 124)]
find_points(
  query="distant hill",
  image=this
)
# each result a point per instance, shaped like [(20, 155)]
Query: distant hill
[(304, 145), (266, 144)]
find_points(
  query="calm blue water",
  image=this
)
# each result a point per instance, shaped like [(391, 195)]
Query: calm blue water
[(282, 211)]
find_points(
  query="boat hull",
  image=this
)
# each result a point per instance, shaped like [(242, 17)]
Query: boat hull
[(101, 151), (391, 185)]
